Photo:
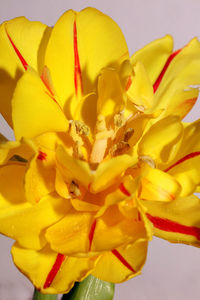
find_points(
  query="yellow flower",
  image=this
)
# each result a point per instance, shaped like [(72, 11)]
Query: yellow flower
[(101, 160)]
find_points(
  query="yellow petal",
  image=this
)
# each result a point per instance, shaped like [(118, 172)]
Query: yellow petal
[(174, 92), (177, 221), (140, 91), (186, 172), (122, 263), (17, 151), (22, 43), (40, 176), (113, 230), (109, 171), (72, 168), (50, 272), (71, 234), (78, 51), (35, 116), (154, 55), (110, 94), (157, 185), (21, 220), (160, 140)]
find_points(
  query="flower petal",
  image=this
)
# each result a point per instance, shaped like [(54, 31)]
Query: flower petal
[(113, 230), (40, 176), (175, 93), (73, 168), (21, 220), (157, 185), (109, 171), (22, 42), (37, 265), (70, 235), (154, 55), (140, 91), (122, 263), (159, 142), (83, 56), (177, 221), (34, 116)]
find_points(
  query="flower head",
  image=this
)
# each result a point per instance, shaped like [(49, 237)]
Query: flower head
[(101, 160)]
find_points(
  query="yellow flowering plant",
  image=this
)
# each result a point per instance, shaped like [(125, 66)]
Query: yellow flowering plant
[(102, 160)]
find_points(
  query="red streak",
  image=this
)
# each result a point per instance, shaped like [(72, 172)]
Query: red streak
[(160, 77), (23, 61), (124, 190), (171, 226), (42, 155), (123, 261), (52, 274), (188, 156), (77, 68), (128, 84), (91, 234)]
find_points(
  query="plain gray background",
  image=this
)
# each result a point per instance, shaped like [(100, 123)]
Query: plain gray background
[(172, 272)]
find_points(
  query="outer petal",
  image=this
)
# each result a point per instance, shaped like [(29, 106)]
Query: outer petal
[(185, 164), (86, 50), (173, 87), (122, 263), (34, 109), (154, 55), (37, 265), (160, 140), (177, 221), (29, 39), (71, 234), (21, 220)]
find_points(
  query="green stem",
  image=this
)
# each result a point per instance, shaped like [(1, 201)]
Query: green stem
[(91, 289), (38, 296)]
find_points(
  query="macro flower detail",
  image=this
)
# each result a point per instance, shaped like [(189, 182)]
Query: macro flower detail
[(102, 160)]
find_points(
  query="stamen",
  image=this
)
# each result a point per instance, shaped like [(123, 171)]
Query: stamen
[(78, 142), (74, 189), (119, 120), (81, 128), (128, 134), (100, 144), (119, 148)]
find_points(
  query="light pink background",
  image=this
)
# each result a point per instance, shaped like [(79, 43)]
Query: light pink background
[(172, 272)]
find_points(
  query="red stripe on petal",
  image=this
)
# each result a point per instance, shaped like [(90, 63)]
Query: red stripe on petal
[(77, 68), (160, 77), (52, 274), (171, 226), (124, 190), (186, 157), (122, 260), (23, 61), (42, 155), (91, 234)]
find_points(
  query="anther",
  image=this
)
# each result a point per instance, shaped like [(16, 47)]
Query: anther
[(74, 189)]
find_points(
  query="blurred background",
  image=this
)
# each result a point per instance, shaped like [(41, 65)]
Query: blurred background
[(171, 271)]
